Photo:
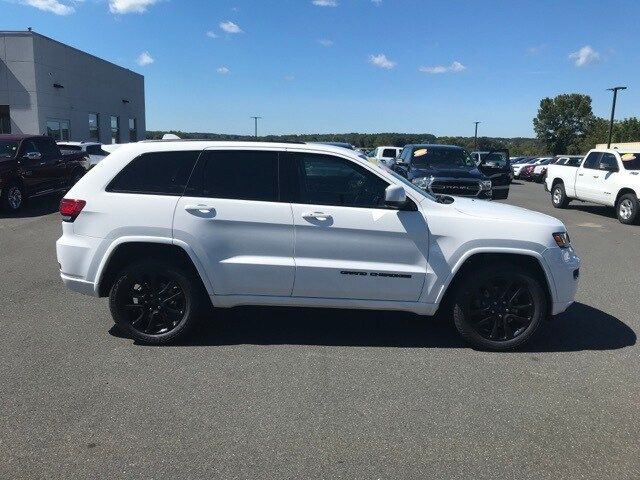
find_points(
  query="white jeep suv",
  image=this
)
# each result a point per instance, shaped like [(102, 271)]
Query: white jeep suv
[(166, 229)]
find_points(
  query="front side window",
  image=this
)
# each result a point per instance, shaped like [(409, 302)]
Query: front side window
[(115, 129), (47, 148), (592, 160), (389, 153), (609, 160), (133, 130), (425, 157), (160, 173), (328, 180), (630, 161), (238, 174), (94, 127)]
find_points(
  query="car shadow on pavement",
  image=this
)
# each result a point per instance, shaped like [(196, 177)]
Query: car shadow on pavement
[(36, 207), (601, 210), (581, 327)]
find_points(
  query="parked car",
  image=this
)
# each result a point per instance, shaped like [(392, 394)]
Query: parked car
[(572, 161), (540, 168), (517, 168), (528, 171), (496, 164), (606, 176), (93, 149), (167, 229), (32, 165), (385, 155), (447, 170)]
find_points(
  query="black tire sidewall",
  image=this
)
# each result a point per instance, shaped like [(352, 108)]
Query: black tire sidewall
[(635, 216), (480, 275), (180, 275)]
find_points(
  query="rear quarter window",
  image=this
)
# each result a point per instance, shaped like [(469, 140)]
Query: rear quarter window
[(157, 173)]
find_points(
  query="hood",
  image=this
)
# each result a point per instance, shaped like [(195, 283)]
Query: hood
[(443, 172), (502, 211)]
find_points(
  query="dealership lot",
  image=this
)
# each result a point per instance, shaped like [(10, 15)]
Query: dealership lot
[(290, 393)]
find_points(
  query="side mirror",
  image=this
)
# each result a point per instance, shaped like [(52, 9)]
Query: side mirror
[(395, 196), (608, 167), (33, 155)]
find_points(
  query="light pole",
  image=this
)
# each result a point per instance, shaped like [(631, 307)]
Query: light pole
[(613, 111), (255, 120), (475, 141)]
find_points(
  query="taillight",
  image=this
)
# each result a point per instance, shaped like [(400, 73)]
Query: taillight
[(70, 209)]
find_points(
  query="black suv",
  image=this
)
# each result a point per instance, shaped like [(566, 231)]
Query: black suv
[(451, 170)]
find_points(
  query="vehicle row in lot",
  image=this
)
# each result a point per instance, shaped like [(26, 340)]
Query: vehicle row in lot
[(33, 165), (232, 223), (94, 150), (608, 177)]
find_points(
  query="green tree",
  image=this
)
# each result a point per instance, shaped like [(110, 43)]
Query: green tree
[(563, 121)]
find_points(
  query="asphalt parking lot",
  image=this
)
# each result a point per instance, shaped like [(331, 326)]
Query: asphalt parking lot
[(290, 393)]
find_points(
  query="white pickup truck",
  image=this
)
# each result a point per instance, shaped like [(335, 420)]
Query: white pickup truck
[(606, 176)]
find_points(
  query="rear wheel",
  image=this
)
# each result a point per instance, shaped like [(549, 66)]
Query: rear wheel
[(155, 302), (559, 196), (499, 307), (12, 197), (628, 208)]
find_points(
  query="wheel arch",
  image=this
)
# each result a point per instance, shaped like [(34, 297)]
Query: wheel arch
[(126, 251), (530, 260), (624, 191), (556, 181)]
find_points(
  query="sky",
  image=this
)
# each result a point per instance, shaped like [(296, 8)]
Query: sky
[(337, 66)]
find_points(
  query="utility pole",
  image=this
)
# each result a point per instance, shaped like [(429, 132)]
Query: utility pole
[(475, 141), (255, 120), (613, 111)]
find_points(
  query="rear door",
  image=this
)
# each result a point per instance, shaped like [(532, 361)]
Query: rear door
[(588, 178), (34, 170), (234, 217), (497, 166), (348, 244)]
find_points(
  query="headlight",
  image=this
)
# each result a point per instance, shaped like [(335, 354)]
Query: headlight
[(422, 182), (562, 239), (485, 185)]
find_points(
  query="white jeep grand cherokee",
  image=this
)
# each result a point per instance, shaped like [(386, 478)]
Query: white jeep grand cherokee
[(166, 229)]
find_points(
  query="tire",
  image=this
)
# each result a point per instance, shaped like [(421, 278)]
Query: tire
[(499, 307), (155, 302), (13, 197), (628, 209), (559, 197)]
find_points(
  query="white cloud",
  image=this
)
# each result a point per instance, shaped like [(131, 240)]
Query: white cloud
[(381, 61), (230, 27), (211, 34), (325, 42), (130, 6), (53, 6), (455, 67), (584, 56), (145, 59), (325, 3), (223, 70)]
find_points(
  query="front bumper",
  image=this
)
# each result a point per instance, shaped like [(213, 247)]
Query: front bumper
[(564, 267)]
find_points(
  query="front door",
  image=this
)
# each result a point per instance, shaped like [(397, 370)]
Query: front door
[(349, 245), (33, 167), (233, 217), (588, 183)]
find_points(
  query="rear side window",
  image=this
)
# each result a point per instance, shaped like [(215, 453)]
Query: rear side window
[(238, 174), (159, 173), (592, 160)]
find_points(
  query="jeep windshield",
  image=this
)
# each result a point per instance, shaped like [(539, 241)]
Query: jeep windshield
[(434, 157), (630, 161), (8, 148)]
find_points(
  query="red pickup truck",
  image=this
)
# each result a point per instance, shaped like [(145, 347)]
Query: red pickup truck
[(32, 165)]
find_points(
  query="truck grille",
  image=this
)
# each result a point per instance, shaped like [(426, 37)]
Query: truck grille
[(455, 187)]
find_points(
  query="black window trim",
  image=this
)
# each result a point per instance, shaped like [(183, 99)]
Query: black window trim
[(109, 188)]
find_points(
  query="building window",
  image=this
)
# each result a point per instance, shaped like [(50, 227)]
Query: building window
[(133, 130), (115, 129), (94, 127), (5, 119), (58, 129)]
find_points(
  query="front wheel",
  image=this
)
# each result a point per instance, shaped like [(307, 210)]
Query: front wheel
[(155, 302), (628, 209), (499, 307), (12, 198), (559, 196)]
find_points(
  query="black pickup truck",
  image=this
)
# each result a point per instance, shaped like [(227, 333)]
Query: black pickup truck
[(451, 170), (32, 165)]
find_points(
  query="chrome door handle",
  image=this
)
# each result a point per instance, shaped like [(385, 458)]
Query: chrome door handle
[(581, 174), (199, 208), (316, 215)]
